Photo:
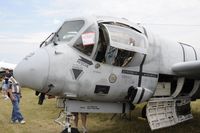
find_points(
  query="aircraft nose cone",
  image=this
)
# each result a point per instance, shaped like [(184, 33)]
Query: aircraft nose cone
[(33, 70)]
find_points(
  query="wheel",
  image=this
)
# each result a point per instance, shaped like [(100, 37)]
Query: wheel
[(144, 112), (73, 130)]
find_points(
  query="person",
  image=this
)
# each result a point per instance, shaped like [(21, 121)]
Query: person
[(5, 84), (111, 54), (83, 119), (4, 89), (14, 94)]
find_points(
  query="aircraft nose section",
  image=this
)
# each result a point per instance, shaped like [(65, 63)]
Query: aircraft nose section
[(33, 70)]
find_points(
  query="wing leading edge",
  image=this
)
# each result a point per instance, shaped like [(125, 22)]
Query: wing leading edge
[(187, 69)]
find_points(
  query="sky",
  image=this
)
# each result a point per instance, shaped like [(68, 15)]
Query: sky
[(24, 24)]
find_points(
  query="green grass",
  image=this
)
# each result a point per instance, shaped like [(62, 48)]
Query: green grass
[(40, 119)]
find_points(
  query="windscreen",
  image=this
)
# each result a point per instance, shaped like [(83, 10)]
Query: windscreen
[(69, 30), (86, 41)]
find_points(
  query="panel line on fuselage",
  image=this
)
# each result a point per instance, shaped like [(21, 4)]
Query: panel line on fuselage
[(130, 72), (183, 51), (141, 70), (145, 32), (182, 45)]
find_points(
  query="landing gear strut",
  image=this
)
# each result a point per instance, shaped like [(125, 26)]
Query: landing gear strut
[(144, 112), (64, 119)]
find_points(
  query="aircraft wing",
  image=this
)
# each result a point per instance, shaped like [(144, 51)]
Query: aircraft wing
[(188, 69)]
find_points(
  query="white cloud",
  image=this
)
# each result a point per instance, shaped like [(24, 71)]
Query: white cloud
[(51, 13), (140, 10), (15, 46), (57, 21), (32, 38)]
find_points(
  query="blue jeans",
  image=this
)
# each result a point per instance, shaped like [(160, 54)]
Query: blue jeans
[(16, 114)]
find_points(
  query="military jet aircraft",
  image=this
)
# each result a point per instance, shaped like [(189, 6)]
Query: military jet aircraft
[(106, 65)]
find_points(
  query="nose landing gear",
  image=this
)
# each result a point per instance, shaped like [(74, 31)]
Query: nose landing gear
[(73, 130), (64, 119)]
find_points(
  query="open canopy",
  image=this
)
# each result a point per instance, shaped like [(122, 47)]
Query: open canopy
[(127, 39)]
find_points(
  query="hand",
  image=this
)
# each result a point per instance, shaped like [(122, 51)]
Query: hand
[(12, 98)]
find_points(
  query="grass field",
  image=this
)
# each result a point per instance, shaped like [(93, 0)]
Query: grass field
[(40, 119)]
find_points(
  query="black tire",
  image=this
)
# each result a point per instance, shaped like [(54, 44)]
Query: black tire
[(73, 130), (144, 112)]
